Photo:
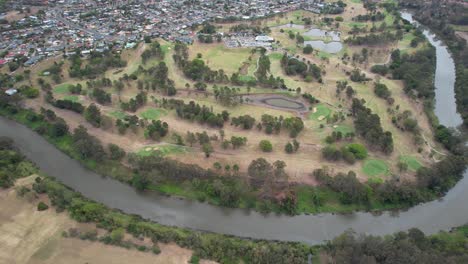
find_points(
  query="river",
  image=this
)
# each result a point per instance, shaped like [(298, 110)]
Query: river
[(312, 229)]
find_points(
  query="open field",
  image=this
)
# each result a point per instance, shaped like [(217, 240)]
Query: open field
[(28, 236)]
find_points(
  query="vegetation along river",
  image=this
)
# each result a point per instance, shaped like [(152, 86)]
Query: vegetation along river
[(313, 229)]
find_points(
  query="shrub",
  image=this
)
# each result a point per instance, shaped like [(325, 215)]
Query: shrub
[(42, 206), (359, 151), (266, 146)]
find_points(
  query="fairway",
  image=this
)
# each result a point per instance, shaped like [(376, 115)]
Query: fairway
[(412, 162), (62, 88), (320, 112), (374, 167), (162, 150), (153, 113)]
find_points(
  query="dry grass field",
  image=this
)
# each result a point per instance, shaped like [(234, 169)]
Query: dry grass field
[(28, 236)]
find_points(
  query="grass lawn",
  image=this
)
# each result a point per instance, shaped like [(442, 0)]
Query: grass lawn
[(357, 24), (62, 88), (321, 113), (163, 150), (118, 114), (217, 56), (356, 1), (344, 129), (374, 167), (73, 98), (324, 55), (412, 162), (153, 113)]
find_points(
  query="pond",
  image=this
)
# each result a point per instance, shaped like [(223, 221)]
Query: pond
[(316, 32), (330, 47), (284, 103)]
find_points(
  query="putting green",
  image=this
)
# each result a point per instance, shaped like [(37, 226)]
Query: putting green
[(412, 162), (62, 88), (320, 112), (153, 113), (374, 167), (162, 150)]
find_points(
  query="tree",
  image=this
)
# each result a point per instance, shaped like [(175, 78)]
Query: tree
[(266, 146), (207, 149), (190, 138), (116, 152), (307, 49), (289, 148), (359, 151), (42, 206), (258, 171), (93, 115)]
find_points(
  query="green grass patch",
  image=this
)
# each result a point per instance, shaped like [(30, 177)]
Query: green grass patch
[(162, 150), (356, 24), (321, 113), (344, 129), (62, 88), (275, 56), (324, 55), (153, 113), (356, 1), (375, 167), (246, 78), (73, 98), (118, 114), (412, 162)]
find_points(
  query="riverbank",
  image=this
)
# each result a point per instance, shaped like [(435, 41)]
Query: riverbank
[(222, 248), (309, 199)]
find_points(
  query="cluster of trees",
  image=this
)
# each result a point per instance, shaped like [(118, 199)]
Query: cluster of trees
[(412, 246), (375, 39), (156, 130), (310, 98), (349, 153), (195, 112), (357, 76), (382, 91), (196, 69), (227, 96), (98, 63), (12, 164), (369, 127), (101, 96), (135, 103), (154, 51), (416, 70), (158, 78), (69, 105), (378, 16), (92, 114), (292, 147), (244, 121), (246, 28), (274, 124), (293, 66)]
